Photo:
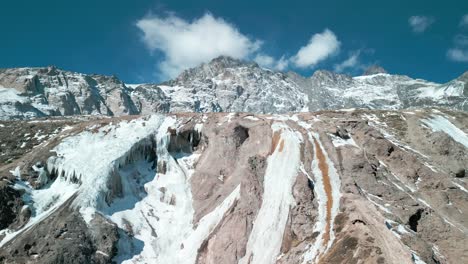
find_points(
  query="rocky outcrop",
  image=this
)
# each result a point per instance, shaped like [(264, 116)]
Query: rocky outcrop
[(64, 237), (10, 205), (49, 91), (326, 187)]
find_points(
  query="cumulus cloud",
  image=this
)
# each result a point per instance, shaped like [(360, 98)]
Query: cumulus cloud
[(321, 46), (269, 62), (459, 52), (420, 24), (282, 63), (464, 21), (351, 62), (186, 44), (264, 60)]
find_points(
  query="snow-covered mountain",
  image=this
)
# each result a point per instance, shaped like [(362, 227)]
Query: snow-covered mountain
[(222, 85), (361, 186)]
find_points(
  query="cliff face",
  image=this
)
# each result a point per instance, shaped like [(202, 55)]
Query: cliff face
[(326, 187)]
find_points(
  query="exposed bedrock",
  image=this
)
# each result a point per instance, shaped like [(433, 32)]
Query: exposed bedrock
[(10, 205), (63, 237), (328, 187)]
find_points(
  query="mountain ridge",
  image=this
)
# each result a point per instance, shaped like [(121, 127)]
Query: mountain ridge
[(369, 69), (222, 85)]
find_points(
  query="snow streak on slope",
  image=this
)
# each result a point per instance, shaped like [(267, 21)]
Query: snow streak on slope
[(382, 127), (10, 99), (8, 95), (266, 237), (440, 123), (205, 227), (327, 188), (438, 93)]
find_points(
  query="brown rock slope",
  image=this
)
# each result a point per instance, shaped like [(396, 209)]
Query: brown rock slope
[(327, 187)]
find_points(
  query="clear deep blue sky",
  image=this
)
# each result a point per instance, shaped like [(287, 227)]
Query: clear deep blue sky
[(100, 36)]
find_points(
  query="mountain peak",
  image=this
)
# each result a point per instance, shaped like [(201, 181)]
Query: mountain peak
[(463, 77), (49, 70), (224, 61), (323, 73), (374, 69), (330, 77), (210, 69)]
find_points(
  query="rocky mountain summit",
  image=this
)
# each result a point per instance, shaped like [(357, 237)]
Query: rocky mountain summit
[(349, 186), (374, 69), (222, 85)]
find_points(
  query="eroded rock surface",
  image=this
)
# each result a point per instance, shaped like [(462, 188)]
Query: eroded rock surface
[(327, 187)]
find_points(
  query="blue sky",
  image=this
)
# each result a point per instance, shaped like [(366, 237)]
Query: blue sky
[(150, 41)]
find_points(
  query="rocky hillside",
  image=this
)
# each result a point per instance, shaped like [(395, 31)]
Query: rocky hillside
[(363, 186), (222, 85)]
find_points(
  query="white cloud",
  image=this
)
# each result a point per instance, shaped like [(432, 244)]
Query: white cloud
[(264, 60), (464, 21), (267, 61), (420, 24), (321, 46), (282, 63), (187, 44), (351, 62), (458, 54)]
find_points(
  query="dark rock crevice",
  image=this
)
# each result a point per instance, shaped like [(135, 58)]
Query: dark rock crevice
[(460, 173), (185, 141), (413, 220), (240, 135)]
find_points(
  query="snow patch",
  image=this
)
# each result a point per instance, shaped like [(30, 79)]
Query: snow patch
[(10, 95), (439, 123), (338, 141), (416, 259), (253, 118), (460, 187)]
